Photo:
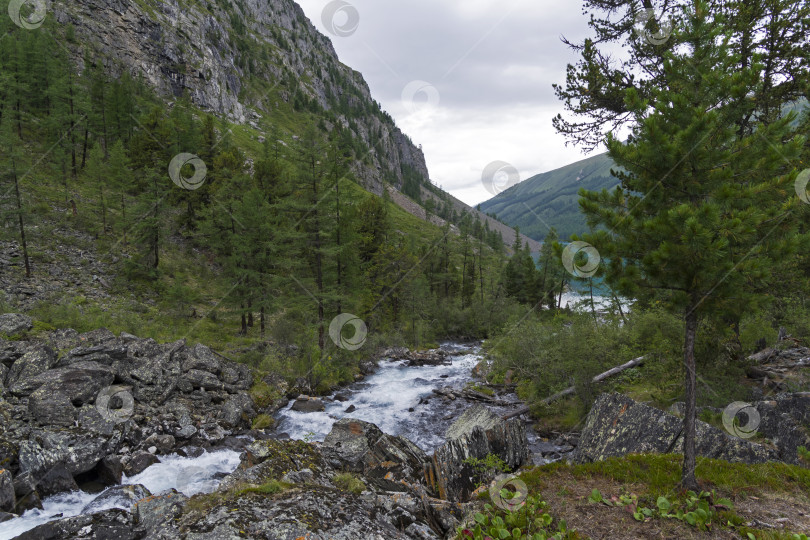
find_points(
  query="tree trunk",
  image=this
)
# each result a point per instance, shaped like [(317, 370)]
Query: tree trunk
[(688, 480), (261, 320), (20, 219)]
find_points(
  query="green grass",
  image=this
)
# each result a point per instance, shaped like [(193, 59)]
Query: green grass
[(263, 421), (271, 487), (349, 482), (661, 473)]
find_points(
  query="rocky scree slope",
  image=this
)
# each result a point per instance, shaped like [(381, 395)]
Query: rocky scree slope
[(90, 407), (246, 60)]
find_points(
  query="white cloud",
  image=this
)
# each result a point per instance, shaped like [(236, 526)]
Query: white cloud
[(492, 62)]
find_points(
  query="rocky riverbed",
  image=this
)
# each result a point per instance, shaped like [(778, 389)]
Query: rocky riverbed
[(105, 436)]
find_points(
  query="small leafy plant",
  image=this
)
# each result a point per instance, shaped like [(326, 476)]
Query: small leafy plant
[(530, 522), (804, 454), (698, 510)]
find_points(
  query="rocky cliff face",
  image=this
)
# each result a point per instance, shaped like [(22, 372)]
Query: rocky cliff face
[(242, 60)]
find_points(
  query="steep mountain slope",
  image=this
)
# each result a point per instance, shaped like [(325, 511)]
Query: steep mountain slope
[(550, 199), (256, 62), (261, 64)]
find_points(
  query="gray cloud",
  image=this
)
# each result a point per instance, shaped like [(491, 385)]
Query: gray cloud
[(493, 63)]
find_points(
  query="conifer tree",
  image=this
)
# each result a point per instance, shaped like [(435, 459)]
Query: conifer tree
[(703, 211)]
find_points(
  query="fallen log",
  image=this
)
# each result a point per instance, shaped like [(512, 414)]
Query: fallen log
[(570, 390)]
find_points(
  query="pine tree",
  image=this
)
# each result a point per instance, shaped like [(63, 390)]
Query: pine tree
[(703, 212)]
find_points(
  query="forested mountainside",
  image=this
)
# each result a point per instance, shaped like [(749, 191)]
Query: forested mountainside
[(213, 171), (259, 63)]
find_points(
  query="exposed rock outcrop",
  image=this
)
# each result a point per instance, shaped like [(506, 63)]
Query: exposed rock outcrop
[(617, 426), (191, 48), (391, 463), (97, 405), (476, 434)]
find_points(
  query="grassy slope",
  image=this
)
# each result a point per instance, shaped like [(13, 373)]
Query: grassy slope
[(761, 494)]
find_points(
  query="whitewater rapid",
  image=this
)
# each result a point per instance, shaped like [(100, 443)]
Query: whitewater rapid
[(189, 476)]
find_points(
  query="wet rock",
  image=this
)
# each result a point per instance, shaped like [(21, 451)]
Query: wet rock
[(28, 501), (308, 404), (391, 463), (139, 462), (123, 497), (477, 433), (155, 515), (350, 409), (12, 324), (5, 516), (112, 524), (617, 425), (110, 470), (56, 480), (8, 499)]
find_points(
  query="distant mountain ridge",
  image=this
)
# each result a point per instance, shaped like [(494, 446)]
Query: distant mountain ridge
[(550, 199)]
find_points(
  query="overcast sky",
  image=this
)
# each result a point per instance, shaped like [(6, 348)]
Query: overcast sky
[(469, 80)]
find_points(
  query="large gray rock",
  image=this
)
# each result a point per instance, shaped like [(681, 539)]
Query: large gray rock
[(307, 404), (391, 463), (8, 499), (77, 449), (51, 408), (56, 480), (123, 497), (112, 524), (475, 434), (156, 515), (202, 358), (617, 425), (12, 324), (36, 360), (80, 381), (237, 411)]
